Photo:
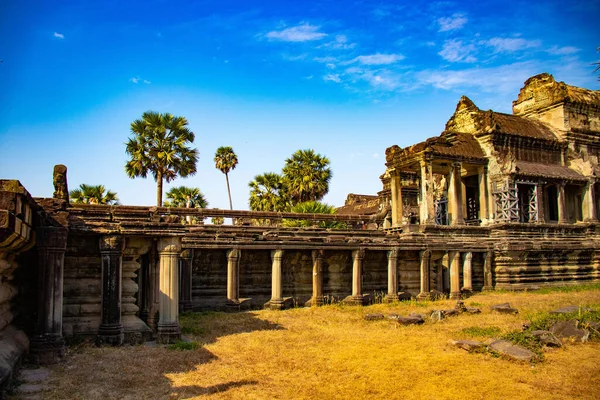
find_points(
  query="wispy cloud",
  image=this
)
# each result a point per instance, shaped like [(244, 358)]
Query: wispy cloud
[(147, 82), (508, 45), (456, 21), (137, 80), (562, 51), (332, 77), (456, 51), (340, 43), (327, 59), (301, 33), (134, 80), (59, 35), (294, 58), (378, 59)]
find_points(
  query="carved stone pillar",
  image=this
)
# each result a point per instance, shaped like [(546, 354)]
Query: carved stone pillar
[(468, 271), (455, 197), (539, 188), (357, 262), (589, 202), (488, 277), (392, 294), (151, 282), (168, 323), (426, 208), (484, 214), (276, 301), (440, 272), (111, 329), (425, 272), (454, 259), (562, 204), (185, 287), (136, 331), (48, 345), (233, 279), (397, 206), (317, 278)]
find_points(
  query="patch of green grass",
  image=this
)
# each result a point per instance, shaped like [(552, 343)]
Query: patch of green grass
[(527, 340), (475, 304), (543, 320), (568, 288), (477, 331), (182, 345)]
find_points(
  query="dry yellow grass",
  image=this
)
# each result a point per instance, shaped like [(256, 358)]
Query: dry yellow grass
[(333, 353)]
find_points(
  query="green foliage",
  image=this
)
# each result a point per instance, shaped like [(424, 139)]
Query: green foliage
[(527, 340), (267, 193), (183, 345), (569, 288), (90, 194), (313, 207), (178, 197), (226, 161), (159, 146), (477, 331), (306, 176)]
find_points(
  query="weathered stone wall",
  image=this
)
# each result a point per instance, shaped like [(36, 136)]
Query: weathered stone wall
[(337, 274), (209, 279), (409, 272), (375, 273), (297, 275)]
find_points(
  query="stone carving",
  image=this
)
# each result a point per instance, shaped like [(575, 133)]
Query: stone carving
[(61, 189)]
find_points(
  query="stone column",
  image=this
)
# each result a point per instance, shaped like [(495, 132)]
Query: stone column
[(589, 202), (152, 287), (392, 294), (468, 271), (562, 204), (276, 302), (455, 198), (425, 274), (484, 214), (440, 271), (168, 323), (111, 329), (185, 287), (397, 206), (539, 188), (136, 331), (454, 259), (233, 282), (48, 345), (357, 260), (488, 278), (426, 208), (317, 279)]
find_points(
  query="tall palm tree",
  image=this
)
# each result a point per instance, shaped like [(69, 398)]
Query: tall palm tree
[(90, 194), (267, 193), (307, 175), (178, 197), (225, 161), (314, 207), (160, 146)]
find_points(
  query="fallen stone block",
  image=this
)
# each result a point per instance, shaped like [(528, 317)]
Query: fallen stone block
[(547, 338), (569, 309), (570, 330), (374, 317), (414, 314), (410, 320), (437, 295), (450, 313), (473, 310), (512, 351), (469, 345), (437, 315), (504, 308)]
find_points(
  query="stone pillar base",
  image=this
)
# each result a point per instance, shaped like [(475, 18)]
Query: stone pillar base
[(168, 333), (487, 288), (238, 305), (356, 300), (391, 298), (315, 302), (113, 335), (455, 295), (275, 304), (47, 349), (186, 306), (424, 296)]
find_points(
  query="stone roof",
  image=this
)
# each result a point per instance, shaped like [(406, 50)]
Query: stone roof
[(359, 204), (526, 168)]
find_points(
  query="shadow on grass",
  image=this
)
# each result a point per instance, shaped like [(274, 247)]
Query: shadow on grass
[(207, 327), (193, 390)]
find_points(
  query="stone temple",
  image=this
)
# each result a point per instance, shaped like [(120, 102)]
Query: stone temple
[(498, 200)]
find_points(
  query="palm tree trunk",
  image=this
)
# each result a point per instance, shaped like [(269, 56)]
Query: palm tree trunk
[(229, 192), (159, 188)]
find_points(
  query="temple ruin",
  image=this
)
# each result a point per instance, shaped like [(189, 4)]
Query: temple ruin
[(496, 201)]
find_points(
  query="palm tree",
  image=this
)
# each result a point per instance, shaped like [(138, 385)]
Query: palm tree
[(313, 207), (307, 175), (267, 193), (225, 161), (178, 197), (90, 194), (160, 146)]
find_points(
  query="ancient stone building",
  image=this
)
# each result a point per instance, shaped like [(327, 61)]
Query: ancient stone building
[(495, 201)]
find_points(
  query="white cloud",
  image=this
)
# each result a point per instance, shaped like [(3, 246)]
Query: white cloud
[(300, 33), (59, 35), (147, 82), (452, 23), (507, 45), (309, 77), (455, 51), (378, 59), (562, 51), (332, 77), (134, 80), (330, 65), (340, 43), (325, 59)]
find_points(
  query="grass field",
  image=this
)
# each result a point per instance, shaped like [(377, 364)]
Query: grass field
[(333, 353)]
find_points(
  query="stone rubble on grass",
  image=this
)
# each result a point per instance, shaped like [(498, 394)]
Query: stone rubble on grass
[(436, 295), (469, 345), (410, 320), (437, 315), (512, 351), (569, 309), (547, 338), (569, 330), (374, 317), (504, 308)]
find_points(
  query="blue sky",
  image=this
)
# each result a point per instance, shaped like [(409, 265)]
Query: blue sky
[(345, 78)]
